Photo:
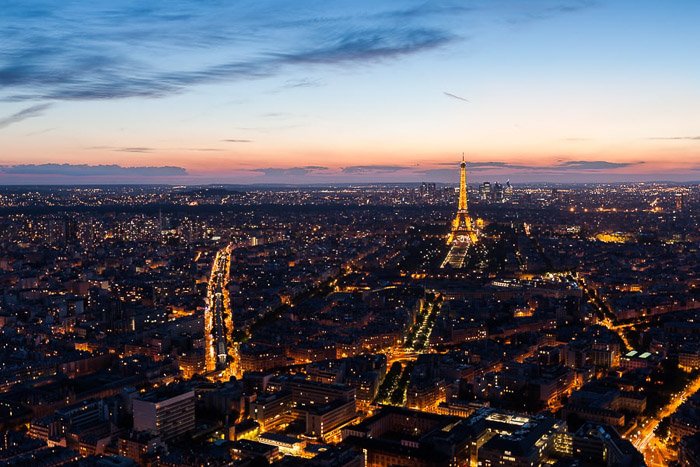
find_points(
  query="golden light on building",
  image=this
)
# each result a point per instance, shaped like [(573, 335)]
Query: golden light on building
[(613, 237), (462, 228), (463, 232)]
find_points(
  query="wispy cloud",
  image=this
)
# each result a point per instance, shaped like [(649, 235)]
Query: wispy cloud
[(111, 50), (475, 166), (85, 170), (298, 84), (369, 169), (593, 165), (676, 138), (559, 167), (290, 171), (455, 96), (29, 112), (148, 150), (237, 140), (40, 132), (528, 14), (134, 149)]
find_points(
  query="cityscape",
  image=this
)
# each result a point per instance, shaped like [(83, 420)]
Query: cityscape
[(350, 234), (417, 324)]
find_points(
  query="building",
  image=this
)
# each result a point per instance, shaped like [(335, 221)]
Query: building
[(309, 393), (508, 439), (247, 449), (689, 360), (138, 445), (323, 422), (258, 357), (633, 360), (74, 419), (606, 355), (485, 191), (599, 445), (286, 444), (604, 405), (425, 394), (168, 413), (402, 437), (192, 363), (685, 421), (679, 201), (689, 451), (272, 410)]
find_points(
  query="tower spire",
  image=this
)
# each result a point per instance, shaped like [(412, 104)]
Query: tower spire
[(462, 224), (462, 206), (463, 233)]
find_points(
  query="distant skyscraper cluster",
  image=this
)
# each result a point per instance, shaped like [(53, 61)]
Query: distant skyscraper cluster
[(427, 189), (495, 192)]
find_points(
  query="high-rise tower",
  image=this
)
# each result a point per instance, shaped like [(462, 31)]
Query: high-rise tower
[(462, 228)]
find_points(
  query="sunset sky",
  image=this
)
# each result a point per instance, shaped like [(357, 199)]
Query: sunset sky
[(323, 91)]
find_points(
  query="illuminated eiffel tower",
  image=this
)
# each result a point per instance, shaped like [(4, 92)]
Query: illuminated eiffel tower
[(462, 227), (462, 234)]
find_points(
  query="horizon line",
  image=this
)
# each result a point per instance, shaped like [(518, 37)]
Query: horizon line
[(332, 184)]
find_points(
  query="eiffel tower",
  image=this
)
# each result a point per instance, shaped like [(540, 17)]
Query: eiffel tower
[(462, 227), (462, 234)]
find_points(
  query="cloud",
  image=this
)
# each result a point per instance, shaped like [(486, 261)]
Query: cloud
[(367, 45), (290, 171), (81, 170), (276, 115), (147, 150), (299, 83), (28, 112), (368, 169), (39, 132), (303, 83), (426, 9), (237, 140), (593, 165), (444, 174), (112, 50), (496, 165), (676, 138), (134, 149), (571, 6), (106, 50), (476, 166), (455, 96), (565, 166), (529, 14)]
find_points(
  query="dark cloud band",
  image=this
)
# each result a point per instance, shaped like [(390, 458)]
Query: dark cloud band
[(84, 170)]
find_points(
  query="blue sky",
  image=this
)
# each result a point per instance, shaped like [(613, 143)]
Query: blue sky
[(324, 91)]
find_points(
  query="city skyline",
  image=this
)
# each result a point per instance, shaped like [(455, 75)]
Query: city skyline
[(432, 233), (570, 91), (183, 326)]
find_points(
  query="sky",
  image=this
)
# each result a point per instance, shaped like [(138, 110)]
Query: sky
[(272, 91)]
